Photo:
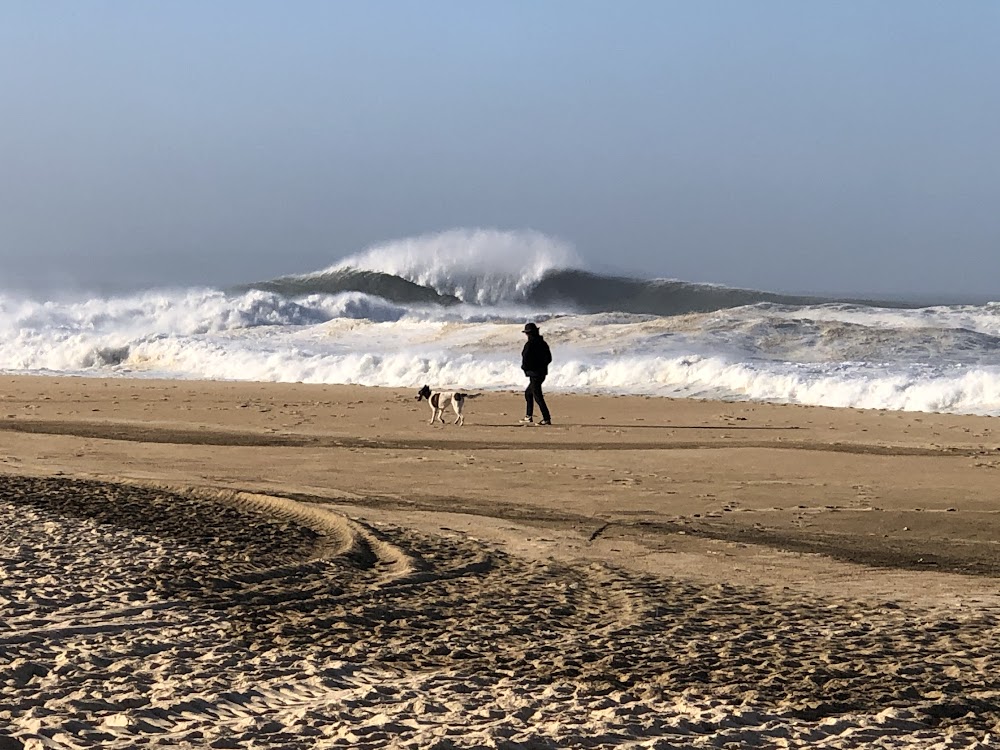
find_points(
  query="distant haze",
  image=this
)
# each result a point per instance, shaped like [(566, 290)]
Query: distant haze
[(843, 148)]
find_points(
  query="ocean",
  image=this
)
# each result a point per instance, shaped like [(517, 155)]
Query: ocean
[(447, 310)]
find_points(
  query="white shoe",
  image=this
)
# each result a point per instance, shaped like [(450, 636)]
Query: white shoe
[(527, 420)]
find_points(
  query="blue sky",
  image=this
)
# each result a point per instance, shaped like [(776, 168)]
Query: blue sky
[(823, 147)]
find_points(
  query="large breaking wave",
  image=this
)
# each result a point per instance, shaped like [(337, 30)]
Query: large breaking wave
[(448, 308), (490, 268)]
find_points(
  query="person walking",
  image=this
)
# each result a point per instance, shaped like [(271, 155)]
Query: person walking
[(535, 360)]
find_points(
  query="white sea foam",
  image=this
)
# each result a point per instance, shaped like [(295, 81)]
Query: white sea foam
[(931, 359)]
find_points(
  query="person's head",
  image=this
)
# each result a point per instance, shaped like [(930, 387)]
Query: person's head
[(531, 329)]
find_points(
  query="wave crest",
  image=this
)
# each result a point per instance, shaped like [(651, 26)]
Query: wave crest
[(480, 266)]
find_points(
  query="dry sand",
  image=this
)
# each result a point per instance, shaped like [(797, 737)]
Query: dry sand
[(190, 564)]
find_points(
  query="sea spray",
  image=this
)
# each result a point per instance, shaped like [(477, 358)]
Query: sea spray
[(480, 266)]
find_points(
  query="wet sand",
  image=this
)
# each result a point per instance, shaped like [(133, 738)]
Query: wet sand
[(252, 565)]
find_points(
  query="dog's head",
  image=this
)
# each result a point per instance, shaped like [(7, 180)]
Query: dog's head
[(424, 392)]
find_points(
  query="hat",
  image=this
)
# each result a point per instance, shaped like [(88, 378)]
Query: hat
[(530, 328)]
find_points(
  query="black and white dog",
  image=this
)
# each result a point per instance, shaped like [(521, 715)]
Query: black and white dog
[(439, 402)]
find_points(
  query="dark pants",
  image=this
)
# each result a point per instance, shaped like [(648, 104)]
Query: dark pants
[(533, 394)]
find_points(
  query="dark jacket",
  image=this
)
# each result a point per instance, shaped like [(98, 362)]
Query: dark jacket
[(535, 356)]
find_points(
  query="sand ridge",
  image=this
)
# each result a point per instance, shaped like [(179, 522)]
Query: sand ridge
[(256, 639)]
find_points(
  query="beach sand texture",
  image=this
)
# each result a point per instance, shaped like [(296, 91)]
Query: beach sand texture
[(258, 565)]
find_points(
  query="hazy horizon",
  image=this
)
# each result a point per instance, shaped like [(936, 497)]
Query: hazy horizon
[(840, 150)]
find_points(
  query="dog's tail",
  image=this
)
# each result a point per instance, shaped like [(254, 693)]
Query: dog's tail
[(466, 396)]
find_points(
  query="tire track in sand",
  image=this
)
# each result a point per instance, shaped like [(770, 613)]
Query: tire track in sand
[(238, 620)]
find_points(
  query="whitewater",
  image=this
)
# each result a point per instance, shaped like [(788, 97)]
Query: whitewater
[(447, 309)]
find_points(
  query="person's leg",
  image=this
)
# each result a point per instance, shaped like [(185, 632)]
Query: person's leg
[(536, 391), (529, 399)]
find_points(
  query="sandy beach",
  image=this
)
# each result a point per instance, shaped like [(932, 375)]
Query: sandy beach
[(216, 564)]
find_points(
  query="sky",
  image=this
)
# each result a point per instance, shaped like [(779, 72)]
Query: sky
[(849, 147)]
